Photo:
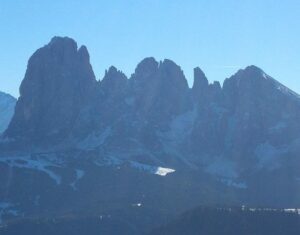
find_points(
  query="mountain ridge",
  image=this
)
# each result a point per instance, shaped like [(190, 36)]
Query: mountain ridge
[(146, 142), (58, 44)]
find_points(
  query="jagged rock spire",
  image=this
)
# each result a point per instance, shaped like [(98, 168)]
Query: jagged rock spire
[(58, 82)]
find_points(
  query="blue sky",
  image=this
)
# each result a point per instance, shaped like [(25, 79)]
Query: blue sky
[(219, 36)]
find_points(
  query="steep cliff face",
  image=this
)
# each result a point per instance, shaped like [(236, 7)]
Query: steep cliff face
[(261, 110), (160, 89), (200, 85), (58, 83)]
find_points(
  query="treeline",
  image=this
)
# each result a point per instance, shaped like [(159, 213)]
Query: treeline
[(233, 221), (95, 225), (201, 221)]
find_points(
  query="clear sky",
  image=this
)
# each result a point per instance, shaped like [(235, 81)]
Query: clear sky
[(219, 36)]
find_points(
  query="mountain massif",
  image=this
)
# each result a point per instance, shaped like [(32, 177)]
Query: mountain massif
[(148, 146)]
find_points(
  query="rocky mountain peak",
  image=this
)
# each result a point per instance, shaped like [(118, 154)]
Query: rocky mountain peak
[(249, 80), (84, 54), (59, 43), (150, 71), (172, 75), (251, 74), (146, 68), (58, 82), (200, 84), (114, 81), (114, 73), (253, 69), (200, 79)]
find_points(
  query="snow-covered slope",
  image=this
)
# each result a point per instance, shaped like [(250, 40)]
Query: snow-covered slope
[(7, 107)]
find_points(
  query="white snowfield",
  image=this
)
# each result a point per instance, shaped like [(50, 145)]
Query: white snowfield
[(285, 90), (164, 171), (48, 164), (157, 170), (161, 171)]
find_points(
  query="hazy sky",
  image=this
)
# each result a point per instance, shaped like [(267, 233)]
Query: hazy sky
[(219, 36)]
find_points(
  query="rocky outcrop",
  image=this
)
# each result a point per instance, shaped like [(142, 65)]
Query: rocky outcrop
[(114, 83), (200, 85), (261, 110), (58, 83), (160, 89)]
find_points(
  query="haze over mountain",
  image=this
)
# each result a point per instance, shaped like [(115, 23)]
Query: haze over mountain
[(148, 145), (7, 107)]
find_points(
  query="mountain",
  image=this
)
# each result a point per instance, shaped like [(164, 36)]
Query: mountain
[(57, 84), (7, 107), (147, 146)]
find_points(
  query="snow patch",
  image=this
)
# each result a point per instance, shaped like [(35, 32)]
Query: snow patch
[(79, 175), (32, 164), (7, 208), (225, 171), (231, 183), (161, 171), (113, 161), (164, 171), (223, 168), (94, 140), (137, 204), (281, 87), (265, 76), (268, 156), (109, 161), (292, 211)]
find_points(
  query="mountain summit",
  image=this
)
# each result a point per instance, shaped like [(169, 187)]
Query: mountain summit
[(58, 83)]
